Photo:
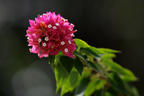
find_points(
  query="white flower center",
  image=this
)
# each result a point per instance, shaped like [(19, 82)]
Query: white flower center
[(54, 27), (46, 38), (49, 26), (69, 42), (57, 24), (39, 40), (66, 50), (44, 44), (62, 43), (27, 37)]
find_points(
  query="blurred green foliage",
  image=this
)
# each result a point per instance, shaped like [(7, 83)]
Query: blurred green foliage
[(92, 72)]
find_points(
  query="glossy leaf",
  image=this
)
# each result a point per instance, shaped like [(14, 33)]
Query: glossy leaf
[(81, 43)]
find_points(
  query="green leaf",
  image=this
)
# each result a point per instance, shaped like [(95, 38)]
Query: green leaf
[(135, 92), (96, 50), (66, 87), (126, 74), (83, 44), (80, 43), (90, 64), (108, 94), (93, 86), (100, 92), (60, 74), (112, 91), (86, 72), (67, 63), (78, 65), (117, 83), (82, 86), (74, 76), (106, 50), (108, 56), (71, 82), (89, 51), (80, 56), (57, 57), (96, 67), (103, 50)]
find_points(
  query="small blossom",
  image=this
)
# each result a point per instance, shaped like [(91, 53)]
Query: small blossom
[(45, 41), (44, 44), (54, 27), (62, 43), (46, 38), (57, 24), (49, 26), (39, 40), (66, 50)]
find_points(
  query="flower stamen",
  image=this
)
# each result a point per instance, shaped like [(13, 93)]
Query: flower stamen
[(39, 40), (46, 38), (66, 50), (49, 26), (69, 42), (54, 27), (44, 44)]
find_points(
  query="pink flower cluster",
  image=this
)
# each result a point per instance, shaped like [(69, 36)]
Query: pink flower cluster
[(49, 34)]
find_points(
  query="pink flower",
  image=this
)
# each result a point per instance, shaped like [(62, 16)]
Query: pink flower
[(49, 34)]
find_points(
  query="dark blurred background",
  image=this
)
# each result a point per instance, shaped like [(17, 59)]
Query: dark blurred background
[(116, 24)]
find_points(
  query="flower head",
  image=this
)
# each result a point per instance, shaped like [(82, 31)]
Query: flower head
[(49, 34)]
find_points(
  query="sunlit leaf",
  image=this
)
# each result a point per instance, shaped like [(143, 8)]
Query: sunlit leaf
[(80, 43), (93, 86), (61, 74), (71, 82), (106, 50), (89, 51)]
